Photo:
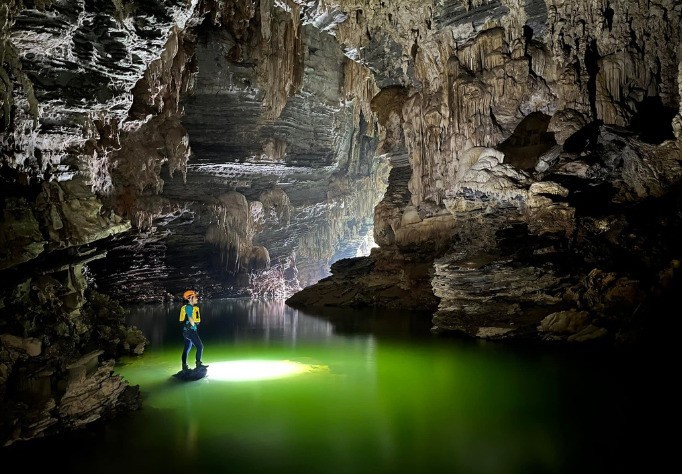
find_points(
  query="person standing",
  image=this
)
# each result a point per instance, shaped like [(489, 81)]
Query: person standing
[(191, 317)]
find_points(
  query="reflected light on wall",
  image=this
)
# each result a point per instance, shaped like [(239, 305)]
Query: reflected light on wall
[(246, 370)]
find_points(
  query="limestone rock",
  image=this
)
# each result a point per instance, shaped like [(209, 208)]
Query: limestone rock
[(566, 123), (571, 326), (29, 346)]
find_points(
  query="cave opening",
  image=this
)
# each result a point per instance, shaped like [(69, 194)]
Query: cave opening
[(653, 121), (528, 142)]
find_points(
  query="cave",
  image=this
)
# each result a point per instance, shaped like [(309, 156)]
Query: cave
[(528, 142), (653, 121), (422, 236)]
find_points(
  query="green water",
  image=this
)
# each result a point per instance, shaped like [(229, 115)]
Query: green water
[(379, 394)]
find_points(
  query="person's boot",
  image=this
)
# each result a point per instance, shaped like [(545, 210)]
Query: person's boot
[(185, 367), (201, 364)]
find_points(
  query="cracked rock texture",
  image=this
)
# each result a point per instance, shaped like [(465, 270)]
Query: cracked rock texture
[(517, 162)]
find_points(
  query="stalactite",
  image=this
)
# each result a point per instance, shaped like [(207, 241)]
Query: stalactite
[(276, 202), (132, 154), (237, 221), (10, 64), (349, 201), (485, 52), (281, 54), (359, 86)]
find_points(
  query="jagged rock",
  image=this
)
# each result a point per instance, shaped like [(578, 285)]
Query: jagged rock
[(20, 236), (548, 159), (545, 215), (571, 326), (488, 181), (384, 279), (564, 322), (89, 391), (566, 123), (29, 346)]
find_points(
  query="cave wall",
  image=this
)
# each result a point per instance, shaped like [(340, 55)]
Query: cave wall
[(99, 195), (251, 82), (271, 92), (538, 137)]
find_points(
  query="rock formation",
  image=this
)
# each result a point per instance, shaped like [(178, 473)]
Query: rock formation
[(516, 162), (543, 146)]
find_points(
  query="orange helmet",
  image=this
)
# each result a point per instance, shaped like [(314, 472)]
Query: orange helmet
[(189, 293)]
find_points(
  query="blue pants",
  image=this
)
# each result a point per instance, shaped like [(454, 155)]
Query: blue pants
[(191, 338)]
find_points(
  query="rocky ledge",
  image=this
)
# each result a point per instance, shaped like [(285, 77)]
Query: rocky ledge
[(582, 248)]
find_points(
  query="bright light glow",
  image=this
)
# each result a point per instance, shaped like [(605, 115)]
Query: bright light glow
[(245, 370)]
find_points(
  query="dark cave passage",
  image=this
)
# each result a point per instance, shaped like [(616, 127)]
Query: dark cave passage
[(653, 121), (528, 142)]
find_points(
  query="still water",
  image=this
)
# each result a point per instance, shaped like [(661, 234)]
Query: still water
[(369, 393)]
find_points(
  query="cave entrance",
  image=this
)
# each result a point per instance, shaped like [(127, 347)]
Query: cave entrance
[(528, 142), (653, 121)]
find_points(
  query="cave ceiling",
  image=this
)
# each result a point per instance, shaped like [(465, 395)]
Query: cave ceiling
[(221, 143)]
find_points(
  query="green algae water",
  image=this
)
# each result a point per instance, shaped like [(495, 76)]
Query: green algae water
[(354, 392)]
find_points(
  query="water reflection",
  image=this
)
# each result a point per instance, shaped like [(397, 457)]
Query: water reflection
[(235, 318)]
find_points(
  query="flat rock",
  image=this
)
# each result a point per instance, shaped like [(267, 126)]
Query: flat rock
[(191, 374)]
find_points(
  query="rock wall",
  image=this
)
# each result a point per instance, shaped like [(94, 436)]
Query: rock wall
[(68, 70), (530, 130), (102, 181), (269, 91)]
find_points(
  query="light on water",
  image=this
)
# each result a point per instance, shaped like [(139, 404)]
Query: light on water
[(354, 393), (248, 370)]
